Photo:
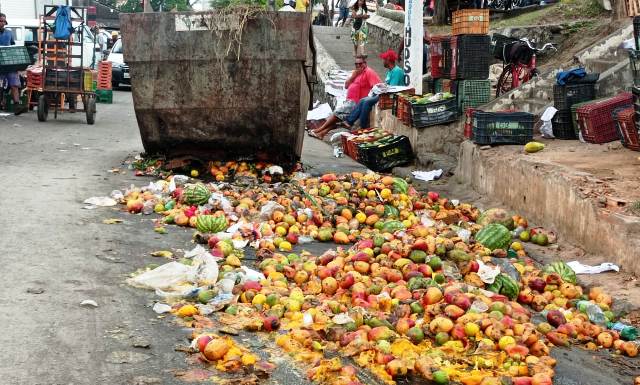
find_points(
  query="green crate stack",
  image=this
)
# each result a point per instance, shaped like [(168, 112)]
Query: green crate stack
[(473, 93), (104, 96)]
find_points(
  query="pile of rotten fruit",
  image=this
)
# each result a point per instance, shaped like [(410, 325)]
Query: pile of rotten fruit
[(419, 285)]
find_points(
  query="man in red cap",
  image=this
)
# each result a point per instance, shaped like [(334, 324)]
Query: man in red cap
[(394, 77)]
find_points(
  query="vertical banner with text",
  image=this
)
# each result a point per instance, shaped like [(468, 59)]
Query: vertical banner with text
[(413, 44)]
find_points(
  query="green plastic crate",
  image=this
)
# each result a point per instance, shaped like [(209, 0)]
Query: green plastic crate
[(14, 58), (9, 101), (473, 93), (104, 96)]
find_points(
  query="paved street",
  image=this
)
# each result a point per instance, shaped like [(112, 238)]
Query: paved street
[(58, 254)]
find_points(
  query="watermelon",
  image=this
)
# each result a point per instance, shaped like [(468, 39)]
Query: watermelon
[(563, 270), (500, 216), (494, 236), (211, 223), (400, 185), (196, 194), (391, 211), (505, 285)]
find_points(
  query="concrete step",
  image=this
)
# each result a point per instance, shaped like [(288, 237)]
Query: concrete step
[(600, 65)]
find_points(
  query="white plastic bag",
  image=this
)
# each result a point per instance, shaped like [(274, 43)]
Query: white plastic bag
[(164, 277), (218, 199), (206, 269), (268, 208), (252, 275), (547, 129)]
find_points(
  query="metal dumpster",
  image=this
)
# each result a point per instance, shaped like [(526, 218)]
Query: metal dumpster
[(197, 92)]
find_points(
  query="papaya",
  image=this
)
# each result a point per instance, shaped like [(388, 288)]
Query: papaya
[(532, 147)]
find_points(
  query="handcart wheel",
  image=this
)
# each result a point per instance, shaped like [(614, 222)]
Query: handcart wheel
[(43, 108), (90, 109)]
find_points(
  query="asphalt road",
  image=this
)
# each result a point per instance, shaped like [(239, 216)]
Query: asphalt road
[(55, 254)]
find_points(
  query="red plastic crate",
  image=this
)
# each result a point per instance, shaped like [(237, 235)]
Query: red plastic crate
[(627, 129), (403, 110), (440, 51), (34, 77), (596, 121)]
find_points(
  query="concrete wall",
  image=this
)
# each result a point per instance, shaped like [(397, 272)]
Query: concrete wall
[(544, 193), (385, 33), (435, 146)]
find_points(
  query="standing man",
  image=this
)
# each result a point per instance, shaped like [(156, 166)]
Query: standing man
[(343, 5), (12, 78), (394, 77)]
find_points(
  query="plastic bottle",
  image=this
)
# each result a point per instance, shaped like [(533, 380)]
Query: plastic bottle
[(593, 311), (627, 332)]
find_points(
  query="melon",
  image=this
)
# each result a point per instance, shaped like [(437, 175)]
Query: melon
[(494, 236), (500, 216), (196, 194)]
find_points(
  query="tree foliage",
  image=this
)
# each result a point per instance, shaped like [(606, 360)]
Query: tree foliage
[(157, 5)]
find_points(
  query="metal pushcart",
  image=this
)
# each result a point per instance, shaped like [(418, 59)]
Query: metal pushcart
[(65, 78)]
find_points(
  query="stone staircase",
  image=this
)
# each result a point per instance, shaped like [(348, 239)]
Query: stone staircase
[(605, 58)]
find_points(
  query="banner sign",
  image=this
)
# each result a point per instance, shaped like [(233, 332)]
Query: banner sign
[(413, 44)]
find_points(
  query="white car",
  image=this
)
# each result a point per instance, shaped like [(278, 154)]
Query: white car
[(119, 69)]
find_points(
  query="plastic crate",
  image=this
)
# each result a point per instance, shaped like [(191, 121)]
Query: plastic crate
[(596, 121), (636, 99), (431, 114), (34, 77), (625, 119), (498, 43), (470, 22), (104, 96), (62, 79), (14, 58), (382, 157), (502, 127), (470, 57), (385, 102), (402, 109), (566, 96), (563, 126), (473, 93), (444, 85), (634, 65), (440, 52)]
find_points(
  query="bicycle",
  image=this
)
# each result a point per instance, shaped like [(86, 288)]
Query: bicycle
[(516, 73)]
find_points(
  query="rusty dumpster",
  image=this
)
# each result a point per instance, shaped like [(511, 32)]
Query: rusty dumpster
[(217, 86)]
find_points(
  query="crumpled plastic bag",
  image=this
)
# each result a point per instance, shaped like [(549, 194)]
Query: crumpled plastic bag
[(203, 270), (268, 208), (176, 181), (100, 201), (252, 275), (218, 199), (164, 277), (547, 129), (487, 273)]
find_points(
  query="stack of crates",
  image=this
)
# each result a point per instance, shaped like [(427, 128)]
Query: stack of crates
[(104, 93), (595, 119), (564, 97), (470, 57), (34, 77)]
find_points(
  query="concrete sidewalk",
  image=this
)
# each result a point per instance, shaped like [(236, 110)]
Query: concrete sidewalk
[(337, 42)]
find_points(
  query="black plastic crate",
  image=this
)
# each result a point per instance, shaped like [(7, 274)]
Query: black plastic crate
[(563, 125), (396, 152), (470, 58), (502, 127), (498, 43), (431, 114), (566, 96), (62, 79), (14, 58), (634, 64)]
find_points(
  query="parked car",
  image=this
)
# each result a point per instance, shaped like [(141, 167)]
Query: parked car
[(119, 69)]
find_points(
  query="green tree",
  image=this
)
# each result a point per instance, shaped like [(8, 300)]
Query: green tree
[(157, 5)]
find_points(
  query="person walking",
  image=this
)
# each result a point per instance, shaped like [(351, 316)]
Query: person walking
[(359, 30), (12, 78), (343, 6)]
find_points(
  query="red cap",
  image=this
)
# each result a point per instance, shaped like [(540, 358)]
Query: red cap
[(390, 55)]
